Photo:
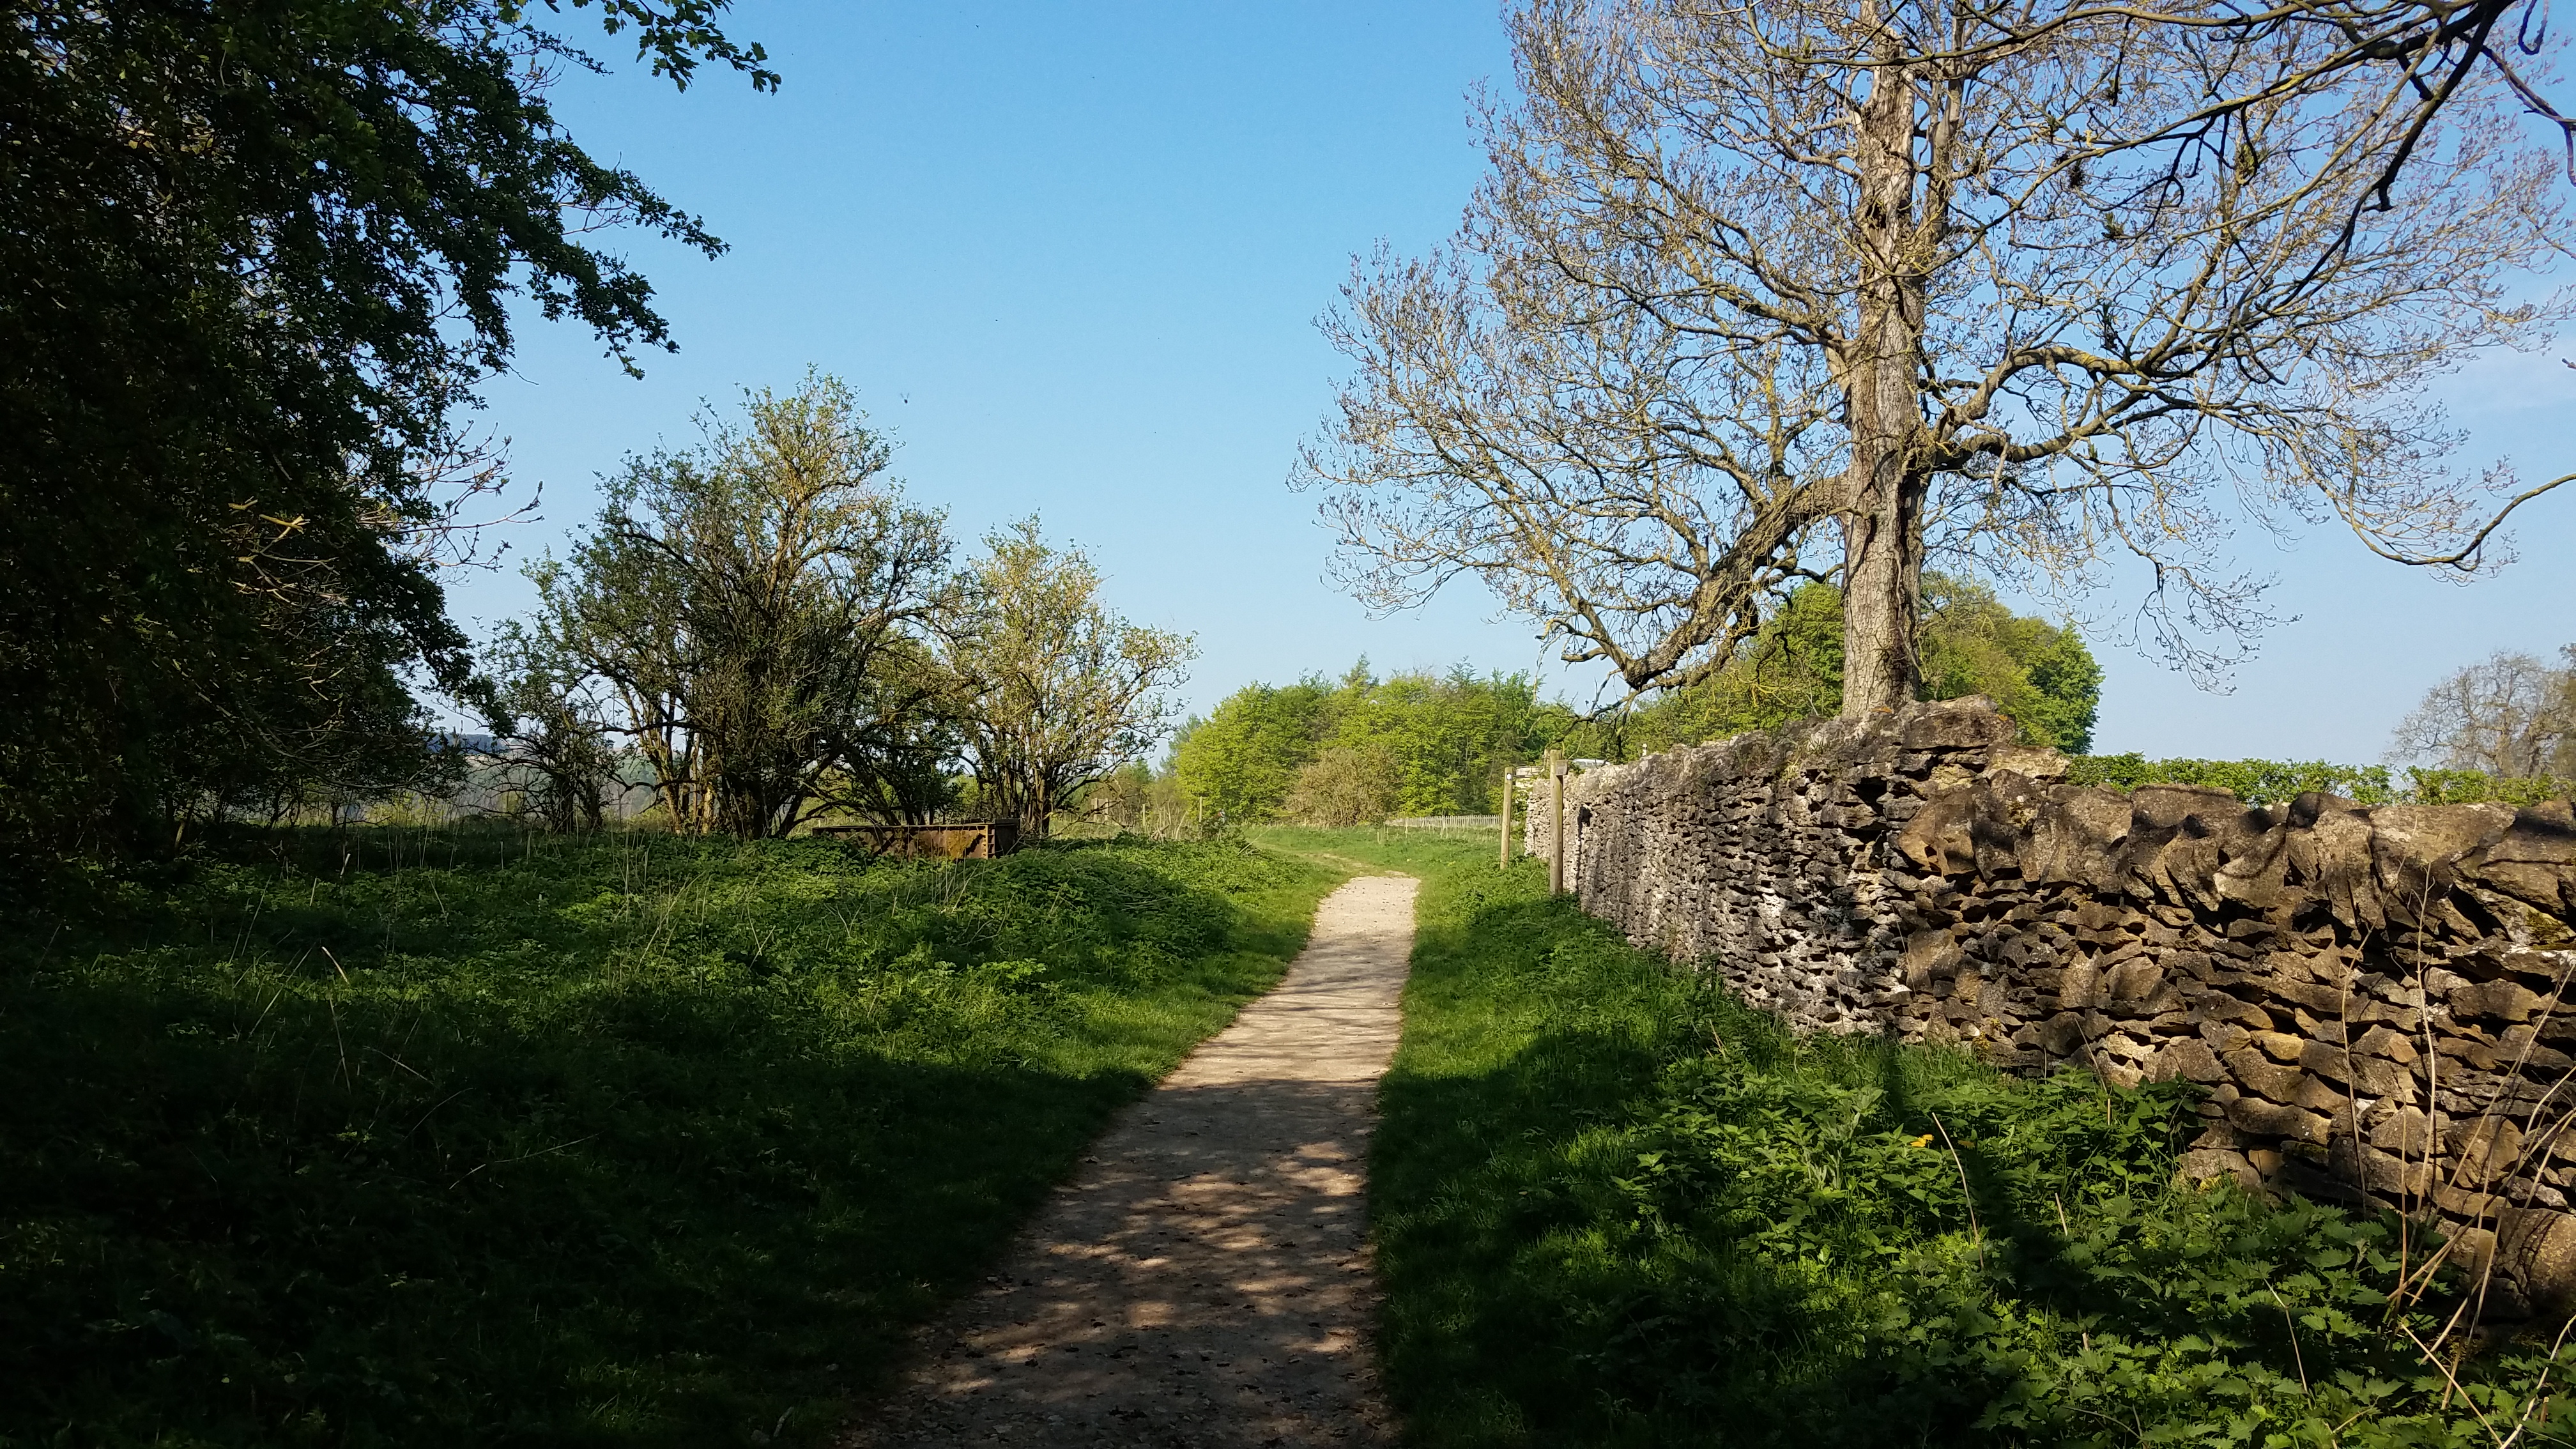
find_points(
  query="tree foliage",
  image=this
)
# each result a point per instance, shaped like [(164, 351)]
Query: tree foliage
[(551, 729), (1049, 689), (1347, 785), (1448, 736), (2040, 674), (257, 254), (758, 607)]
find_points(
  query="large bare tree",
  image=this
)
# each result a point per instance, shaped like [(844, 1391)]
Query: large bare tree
[(1755, 294), (2508, 715)]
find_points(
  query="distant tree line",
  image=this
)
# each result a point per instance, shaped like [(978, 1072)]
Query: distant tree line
[(1340, 751), (2500, 731)]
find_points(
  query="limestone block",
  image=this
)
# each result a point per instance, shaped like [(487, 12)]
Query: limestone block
[(2271, 1119), (2538, 1250), (2186, 1057), (2220, 1006), (2504, 1000), (2407, 1131), (2280, 1046), (2332, 852), (2414, 849), (2486, 1150), (2519, 1047), (1955, 724), (2385, 1172), (2468, 1050), (2204, 1164), (2199, 965), (2063, 1034), (2134, 981), (2370, 1076), (2259, 1074), (2325, 1000), (2225, 1036), (2166, 807), (2466, 1203)]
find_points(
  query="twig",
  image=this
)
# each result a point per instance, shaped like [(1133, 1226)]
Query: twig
[(2292, 1324), (504, 1162), (1976, 1234), (2436, 1361)]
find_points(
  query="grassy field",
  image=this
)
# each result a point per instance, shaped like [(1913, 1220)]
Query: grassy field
[(1614, 1207), (456, 1137)]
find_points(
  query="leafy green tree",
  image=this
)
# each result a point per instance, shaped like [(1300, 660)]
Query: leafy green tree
[(1448, 735), (257, 253), (1348, 785), (1242, 760), (757, 604), (545, 712), (2040, 674), (1052, 691)]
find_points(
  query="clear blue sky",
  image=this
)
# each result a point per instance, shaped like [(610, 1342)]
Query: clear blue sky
[(1071, 259)]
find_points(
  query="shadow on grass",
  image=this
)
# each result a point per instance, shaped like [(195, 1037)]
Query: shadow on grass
[(512, 1162)]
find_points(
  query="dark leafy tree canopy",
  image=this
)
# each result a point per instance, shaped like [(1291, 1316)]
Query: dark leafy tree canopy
[(257, 254), (2040, 674)]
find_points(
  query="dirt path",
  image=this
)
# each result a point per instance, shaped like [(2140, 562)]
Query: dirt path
[(1203, 1282)]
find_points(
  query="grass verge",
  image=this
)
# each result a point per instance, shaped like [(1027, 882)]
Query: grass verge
[(1613, 1206), (445, 1137)]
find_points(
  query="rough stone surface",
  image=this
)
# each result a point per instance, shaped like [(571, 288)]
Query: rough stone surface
[(1204, 1281), (2376, 996)]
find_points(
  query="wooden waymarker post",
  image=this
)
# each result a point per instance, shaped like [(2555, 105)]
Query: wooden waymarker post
[(1556, 824), (1506, 861)]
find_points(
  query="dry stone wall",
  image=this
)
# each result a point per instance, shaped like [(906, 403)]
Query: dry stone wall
[(2376, 997)]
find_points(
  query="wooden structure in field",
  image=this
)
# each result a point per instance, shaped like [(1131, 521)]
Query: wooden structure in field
[(962, 840)]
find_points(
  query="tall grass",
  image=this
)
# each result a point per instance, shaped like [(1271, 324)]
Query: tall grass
[(1613, 1206), (460, 1136)]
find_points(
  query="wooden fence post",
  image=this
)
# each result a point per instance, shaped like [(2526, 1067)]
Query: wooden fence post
[(1556, 825)]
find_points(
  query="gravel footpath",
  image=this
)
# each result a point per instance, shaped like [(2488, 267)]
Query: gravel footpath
[(1204, 1281)]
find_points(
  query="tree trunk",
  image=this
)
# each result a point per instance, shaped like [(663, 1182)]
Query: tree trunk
[(1885, 482)]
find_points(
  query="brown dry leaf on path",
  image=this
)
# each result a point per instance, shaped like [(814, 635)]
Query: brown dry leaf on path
[(1204, 1281)]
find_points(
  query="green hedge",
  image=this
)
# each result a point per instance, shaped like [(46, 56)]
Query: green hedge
[(2266, 782)]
